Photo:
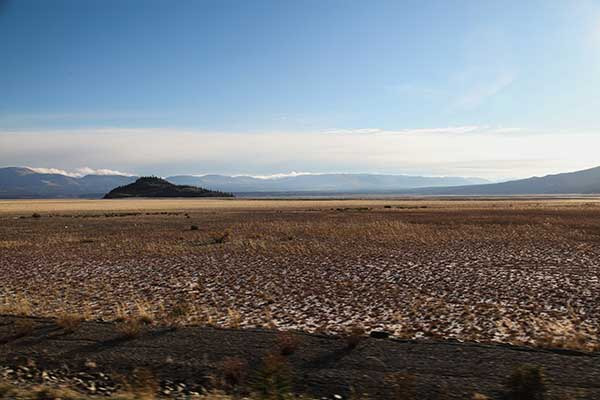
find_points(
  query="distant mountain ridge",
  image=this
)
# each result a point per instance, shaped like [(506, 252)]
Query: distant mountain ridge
[(586, 181), (21, 182), (17, 182), (151, 186), (320, 182)]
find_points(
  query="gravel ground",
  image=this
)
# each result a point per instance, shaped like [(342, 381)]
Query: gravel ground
[(96, 358), (503, 272)]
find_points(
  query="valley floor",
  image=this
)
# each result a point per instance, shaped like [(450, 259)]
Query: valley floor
[(519, 272)]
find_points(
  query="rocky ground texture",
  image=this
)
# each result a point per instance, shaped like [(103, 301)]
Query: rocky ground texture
[(511, 272), (98, 359)]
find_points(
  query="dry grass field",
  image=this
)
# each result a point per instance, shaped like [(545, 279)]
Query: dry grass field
[(513, 271)]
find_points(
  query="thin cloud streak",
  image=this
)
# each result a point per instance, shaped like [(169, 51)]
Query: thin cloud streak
[(79, 172)]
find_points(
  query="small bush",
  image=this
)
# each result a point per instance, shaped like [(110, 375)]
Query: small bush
[(194, 228), (234, 371), (180, 311), (403, 385), (526, 383), (219, 237), (45, 393), (288, 343), (273, 380), (235, 318), (23, 327), (143, 384), (7, 391), (144, 314), (354, 336), (69, 322), (36, 215), (130, 328)]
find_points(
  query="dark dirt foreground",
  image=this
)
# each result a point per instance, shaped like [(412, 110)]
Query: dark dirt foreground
[(322, 365)]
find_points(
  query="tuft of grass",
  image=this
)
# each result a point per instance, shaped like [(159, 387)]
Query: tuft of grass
[(180, 311), (69, 322), (130, 328), (234, 371), (527, 382), (120, 313), (40, 392), (194, 228), (7, 391), (403, 385), (273, 381), (287, 343), (17, 305), (143, 384), (353, 336), (219, 237), (143, 312), (235, 318), (23, 328), (36, 215), (45, 393)]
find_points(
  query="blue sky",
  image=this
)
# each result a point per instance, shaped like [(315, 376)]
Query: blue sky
[(492, 89)]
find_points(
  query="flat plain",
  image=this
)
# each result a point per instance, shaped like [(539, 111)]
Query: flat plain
[(519, 271)]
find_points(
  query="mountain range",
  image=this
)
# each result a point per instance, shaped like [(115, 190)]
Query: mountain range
[(20, 182), (579, 182), (324, 183)]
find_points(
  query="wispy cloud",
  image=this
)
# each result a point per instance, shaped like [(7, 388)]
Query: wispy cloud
[(79, 172), (417, 131), (482, 91), (485, 129), (283, 175), (457, 151)]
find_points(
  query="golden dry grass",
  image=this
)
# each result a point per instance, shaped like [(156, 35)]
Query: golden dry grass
[(44, 206), (517, 271)]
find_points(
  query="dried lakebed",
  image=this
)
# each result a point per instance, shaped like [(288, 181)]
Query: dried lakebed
[(502, 272)]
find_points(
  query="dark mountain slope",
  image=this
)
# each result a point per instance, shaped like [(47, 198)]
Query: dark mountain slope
[(579, 182), (157, 187), (17, 182)]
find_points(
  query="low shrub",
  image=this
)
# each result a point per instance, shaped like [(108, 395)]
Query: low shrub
[(403, 385), (273, 381), (353, 336), (234, 371), (130, 328), (23, 327), (526, 382), (219, 237), (69, 322), (288, 343)]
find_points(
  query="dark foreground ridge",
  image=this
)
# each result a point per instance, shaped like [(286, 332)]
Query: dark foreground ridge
[(194, 358), (157, 187)]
